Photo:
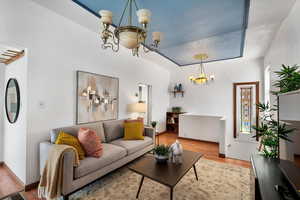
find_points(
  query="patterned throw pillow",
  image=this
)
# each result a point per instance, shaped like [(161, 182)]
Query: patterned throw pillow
[(68, 139), (91, 142), (134, 129)]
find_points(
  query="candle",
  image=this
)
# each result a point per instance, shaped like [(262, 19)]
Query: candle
[(156, 36), (106, 16), (143, 16)]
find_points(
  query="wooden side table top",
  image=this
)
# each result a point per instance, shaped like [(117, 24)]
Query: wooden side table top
[(168, 173)]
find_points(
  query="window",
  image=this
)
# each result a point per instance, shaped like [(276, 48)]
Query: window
[(144, 96), (246, 98), (267, 77)]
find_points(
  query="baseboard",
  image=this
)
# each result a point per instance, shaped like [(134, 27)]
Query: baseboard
[(221, 155), (15, 177), (197, 140), (31, 186)]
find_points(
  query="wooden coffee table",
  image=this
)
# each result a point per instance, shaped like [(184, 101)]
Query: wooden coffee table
[(168, 174)]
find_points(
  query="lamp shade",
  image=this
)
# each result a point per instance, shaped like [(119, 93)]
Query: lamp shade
[(137, 108)]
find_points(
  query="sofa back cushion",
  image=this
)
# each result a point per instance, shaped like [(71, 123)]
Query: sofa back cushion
[(73, 130), (113, 129)]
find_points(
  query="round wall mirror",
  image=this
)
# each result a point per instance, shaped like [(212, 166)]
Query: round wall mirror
[(12, 100)]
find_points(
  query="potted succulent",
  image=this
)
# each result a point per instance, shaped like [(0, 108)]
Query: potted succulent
[(153, 124), (161, 153)]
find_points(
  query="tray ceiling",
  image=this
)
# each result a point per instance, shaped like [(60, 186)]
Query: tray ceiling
[(216, 27)]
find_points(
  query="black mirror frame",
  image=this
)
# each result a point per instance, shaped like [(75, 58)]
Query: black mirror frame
[(18, 99)]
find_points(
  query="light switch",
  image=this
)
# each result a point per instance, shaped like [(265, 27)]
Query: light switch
[(42, 105)]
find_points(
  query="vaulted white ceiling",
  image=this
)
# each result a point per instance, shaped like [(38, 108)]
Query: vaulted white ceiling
[(265, 17)]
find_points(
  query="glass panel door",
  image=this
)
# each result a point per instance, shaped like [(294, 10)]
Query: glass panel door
[(145, 97)]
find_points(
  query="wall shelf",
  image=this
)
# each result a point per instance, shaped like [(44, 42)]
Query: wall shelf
[(177, 92), (8, 56)]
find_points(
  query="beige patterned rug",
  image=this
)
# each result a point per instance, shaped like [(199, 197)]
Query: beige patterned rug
[(217, 181)]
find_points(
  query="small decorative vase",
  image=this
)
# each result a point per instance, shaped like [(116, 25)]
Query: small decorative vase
[(161, 159), (180, 87), (176, 152)]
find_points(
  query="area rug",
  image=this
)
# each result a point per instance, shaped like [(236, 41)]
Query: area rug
[(217, 181)]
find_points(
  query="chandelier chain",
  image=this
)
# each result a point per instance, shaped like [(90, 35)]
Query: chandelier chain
[(123, 13)]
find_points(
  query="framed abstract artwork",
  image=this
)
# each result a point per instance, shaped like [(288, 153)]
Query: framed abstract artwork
[(245, 109), (97, 97)]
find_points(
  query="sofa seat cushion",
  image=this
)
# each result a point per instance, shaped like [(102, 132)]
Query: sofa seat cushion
[(111, 153), (133, 146)]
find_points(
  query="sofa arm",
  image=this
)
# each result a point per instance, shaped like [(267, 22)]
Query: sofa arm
[(45, 148), (150, 132), (68, 172), (68, 165)]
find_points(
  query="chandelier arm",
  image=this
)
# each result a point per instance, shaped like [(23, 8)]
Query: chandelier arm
[(110, 33), (145, 49), (115, 39), (135, 52), (111, 46), (126, 6)]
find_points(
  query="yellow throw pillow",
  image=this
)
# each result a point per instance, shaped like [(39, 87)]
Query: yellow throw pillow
[(133, 130), (68, 139)]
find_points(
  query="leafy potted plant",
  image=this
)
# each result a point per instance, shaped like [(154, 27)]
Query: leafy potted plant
[(289, 79), (161, 153), (270, 131)]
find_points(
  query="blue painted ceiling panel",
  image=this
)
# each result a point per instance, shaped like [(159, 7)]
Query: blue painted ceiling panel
[(215, 27)]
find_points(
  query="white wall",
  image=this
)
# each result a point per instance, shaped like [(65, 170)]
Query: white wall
[(2, 115), (15, 134), (217, 97), (57, 48), (285, 49)]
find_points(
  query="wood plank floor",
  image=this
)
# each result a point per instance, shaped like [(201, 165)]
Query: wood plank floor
[(8, 183), (210, 151), (297, 160)]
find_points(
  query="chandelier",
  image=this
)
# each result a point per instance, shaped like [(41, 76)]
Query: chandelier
[(202, 77), (128, 36)]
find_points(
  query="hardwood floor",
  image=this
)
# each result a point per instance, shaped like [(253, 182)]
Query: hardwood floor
[(8, 183), (297, 160), (210, 151)]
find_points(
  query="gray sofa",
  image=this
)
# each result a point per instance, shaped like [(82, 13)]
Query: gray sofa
[(116, 153)]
